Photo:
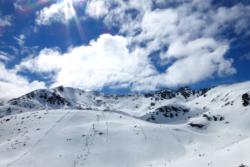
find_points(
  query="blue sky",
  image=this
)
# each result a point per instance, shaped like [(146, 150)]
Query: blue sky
[(122, 45)]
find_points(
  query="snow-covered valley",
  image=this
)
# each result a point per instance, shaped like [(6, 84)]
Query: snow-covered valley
[(66, 127)]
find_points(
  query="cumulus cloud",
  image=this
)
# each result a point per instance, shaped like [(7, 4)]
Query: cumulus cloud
[(96, 8), (13, 85), (61, 11), (187, 35), (200, 66), (106, 61), (184, 33), (109, 62)]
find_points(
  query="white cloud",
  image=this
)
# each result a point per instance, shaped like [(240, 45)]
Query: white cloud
[(20, 39), (165, 26), (201, 65), (189, 33), (96, 8), (198, 47), (153, 23), (4, 56), (237, 16), (197, 60), (5, 22), (246, 56), (106, 61), (13, 85), (194, 61), (186, 34), (62, 11)]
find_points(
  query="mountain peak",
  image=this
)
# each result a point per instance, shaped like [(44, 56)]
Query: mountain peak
[(73, 98)]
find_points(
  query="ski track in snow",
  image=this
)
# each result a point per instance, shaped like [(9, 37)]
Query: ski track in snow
[(39, 140), (131, 132)]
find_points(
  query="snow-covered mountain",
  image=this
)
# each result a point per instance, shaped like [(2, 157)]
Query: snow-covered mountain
[(65, 127), (71, 98)]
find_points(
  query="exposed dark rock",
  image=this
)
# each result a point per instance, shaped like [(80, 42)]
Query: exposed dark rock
[(7, 120), (151, 118), (56, 99), (43, 97), (148, 95), (100, 133), (8, 112), (246, 99), (13, 102), (185, 92), (221, 118), (30, 95), (166, 111), (61, 88), (196, 125), (203, 91), (166, 94), (152, 104), (213, 117)]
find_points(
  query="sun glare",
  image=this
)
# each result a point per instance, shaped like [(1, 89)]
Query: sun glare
[(69, 11)]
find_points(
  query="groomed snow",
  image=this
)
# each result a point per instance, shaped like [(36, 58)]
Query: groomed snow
[(124, 138)]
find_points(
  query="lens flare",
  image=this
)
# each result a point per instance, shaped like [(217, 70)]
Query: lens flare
[(68, 7), (27, 6), (69, 11)]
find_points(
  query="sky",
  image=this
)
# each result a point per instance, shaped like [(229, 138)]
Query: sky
[(122, 45)]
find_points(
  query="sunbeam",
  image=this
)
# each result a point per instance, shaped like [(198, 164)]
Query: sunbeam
[(69, 11)]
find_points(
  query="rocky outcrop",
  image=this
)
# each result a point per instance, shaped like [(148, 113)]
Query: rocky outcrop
[(165, 112), (245, 99)]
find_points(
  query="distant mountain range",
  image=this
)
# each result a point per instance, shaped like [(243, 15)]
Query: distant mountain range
[(73, 98), (65, 126)]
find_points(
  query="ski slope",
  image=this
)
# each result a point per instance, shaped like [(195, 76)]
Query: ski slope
[(211, 129)]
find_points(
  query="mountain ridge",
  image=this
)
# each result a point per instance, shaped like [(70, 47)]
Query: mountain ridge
[(70, 127), (145, 105), (67, 97)]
